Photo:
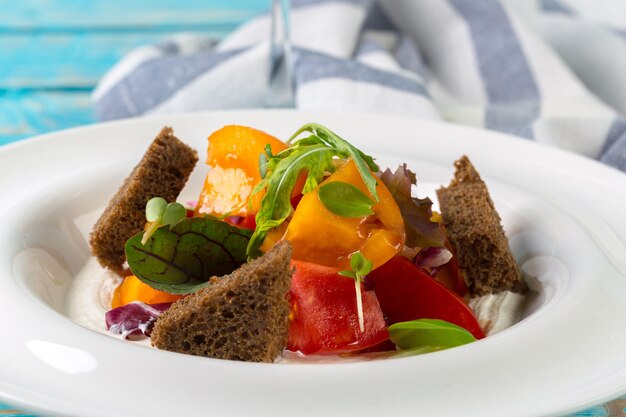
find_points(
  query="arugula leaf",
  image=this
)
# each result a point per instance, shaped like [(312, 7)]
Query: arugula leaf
[(182, 259), (363, 162), (345, 199), (416, 212), (313, 155), (437, 334)]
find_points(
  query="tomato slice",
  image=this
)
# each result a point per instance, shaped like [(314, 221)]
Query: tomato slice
[(324, 317), (407, 293)]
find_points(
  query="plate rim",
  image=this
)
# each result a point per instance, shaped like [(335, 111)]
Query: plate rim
[(132, 121)]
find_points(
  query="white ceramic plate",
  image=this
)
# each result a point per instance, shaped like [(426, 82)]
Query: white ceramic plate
[(563, 213)]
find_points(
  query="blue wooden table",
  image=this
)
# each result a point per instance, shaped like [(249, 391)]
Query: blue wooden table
[(53, 52)]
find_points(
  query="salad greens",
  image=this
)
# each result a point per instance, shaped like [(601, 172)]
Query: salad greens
[(416, 212), (428, 335), (361, 266), (345, 199), (182, 259), (160, 213), (312, 156)]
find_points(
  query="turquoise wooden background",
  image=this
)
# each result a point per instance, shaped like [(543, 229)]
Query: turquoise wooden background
[(52, 52)]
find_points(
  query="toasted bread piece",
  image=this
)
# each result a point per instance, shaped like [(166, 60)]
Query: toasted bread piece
[(162, 172), (241, 316), (473, 227)]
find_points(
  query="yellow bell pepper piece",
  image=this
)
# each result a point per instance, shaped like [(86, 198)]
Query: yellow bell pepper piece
[(319, 236), (233, 153)]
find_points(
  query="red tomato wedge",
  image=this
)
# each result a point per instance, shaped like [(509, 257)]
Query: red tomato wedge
[(407, 293), (324, 317)]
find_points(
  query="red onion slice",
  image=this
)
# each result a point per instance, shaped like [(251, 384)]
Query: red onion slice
[(135, 318)]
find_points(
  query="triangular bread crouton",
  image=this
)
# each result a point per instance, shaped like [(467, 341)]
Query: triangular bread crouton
[(474, 228), (241, 316), (162, 172)]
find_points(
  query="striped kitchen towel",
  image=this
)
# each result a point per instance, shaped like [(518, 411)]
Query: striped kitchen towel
[(553, 71)]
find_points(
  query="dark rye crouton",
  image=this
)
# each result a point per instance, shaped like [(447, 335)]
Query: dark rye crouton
[(242, 316), (162, 172), (473, 227)]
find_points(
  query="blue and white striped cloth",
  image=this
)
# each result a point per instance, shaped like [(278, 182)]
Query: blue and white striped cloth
[(549, 70)]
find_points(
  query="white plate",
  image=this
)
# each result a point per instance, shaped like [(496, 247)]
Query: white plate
[(564, 215)]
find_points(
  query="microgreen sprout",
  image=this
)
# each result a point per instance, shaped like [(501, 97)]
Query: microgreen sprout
[(159, 213), (361, 266)]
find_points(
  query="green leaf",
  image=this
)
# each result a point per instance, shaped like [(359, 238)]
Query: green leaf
[(364, 162), (263, 160), (360, 264), (345, 199), (155, 207), (174, 212), (181, 260), (348, 274), (313, 155), (437, 334)]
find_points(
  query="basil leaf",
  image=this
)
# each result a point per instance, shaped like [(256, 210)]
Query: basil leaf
[(345, 199), (182, 259), (438, 334)]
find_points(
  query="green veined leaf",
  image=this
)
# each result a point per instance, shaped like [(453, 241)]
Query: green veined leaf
[(181, 260), (345, 199), (428, 332)]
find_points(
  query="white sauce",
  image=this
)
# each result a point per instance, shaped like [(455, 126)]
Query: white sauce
[(496, 312), (90, 296)]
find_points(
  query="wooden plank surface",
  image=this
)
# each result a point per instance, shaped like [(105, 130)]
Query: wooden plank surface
[(89, 15), (59, 60), (53, 52)]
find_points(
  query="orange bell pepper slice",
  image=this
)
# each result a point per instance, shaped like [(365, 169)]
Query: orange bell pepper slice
[(132, 289), (324, 238), (233, 153)]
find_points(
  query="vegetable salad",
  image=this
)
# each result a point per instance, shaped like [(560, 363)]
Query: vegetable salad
[(373, 271)]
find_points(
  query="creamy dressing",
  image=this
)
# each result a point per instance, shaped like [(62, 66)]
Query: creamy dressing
[(89, 298), (90, 295), (496, 312)]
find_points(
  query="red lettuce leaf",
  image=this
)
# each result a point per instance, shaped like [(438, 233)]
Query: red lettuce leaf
[(134, 319), (416, 212)]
